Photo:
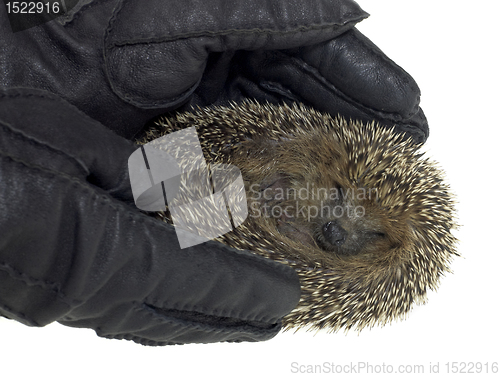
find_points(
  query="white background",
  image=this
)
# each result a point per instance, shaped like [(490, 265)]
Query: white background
[(451, 49)]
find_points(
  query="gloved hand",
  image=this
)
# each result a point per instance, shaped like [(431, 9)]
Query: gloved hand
[(73, 250), (123, 62), (71, 247)]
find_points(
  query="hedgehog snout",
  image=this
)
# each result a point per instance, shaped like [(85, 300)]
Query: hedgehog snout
[(334, 233)]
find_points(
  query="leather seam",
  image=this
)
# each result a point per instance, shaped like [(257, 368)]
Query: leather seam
[(36, 93), (203, 33), (33, 141), (314, 73), (107, 48), (40, 93), (175, 321), (214, 312), (23, 316), (31, 281), (221, 33)]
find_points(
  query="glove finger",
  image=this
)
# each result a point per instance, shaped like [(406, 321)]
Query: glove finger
[(356, 67), (152, 62), (100, 254), (348, 75), (157, 327), (62, 138)]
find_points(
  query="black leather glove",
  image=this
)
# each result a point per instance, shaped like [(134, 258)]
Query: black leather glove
[(72, 250), (71, 247), (123, 62)]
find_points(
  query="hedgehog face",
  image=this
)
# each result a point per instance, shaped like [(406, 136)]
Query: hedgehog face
[(333, 219), (315, 189), (350, 235)]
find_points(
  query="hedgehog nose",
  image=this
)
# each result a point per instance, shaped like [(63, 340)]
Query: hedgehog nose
[(334, 233)]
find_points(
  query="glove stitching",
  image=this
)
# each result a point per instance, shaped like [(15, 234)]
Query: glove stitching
[(28, 280), (31, 281), (33, 141), (214, 312), (110, 46), (40, 93), (314, 73), (144, 309), (204, 33), (410, 126), (115, 88), (154, 39), (61, 176), (390, 62), (17, 314), (139, 340), (147, 104), (380, 55), (153, 225), (35, 93), (206, 329), (185, 324)]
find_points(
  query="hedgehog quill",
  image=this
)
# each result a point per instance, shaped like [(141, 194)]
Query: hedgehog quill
[(356, 209)]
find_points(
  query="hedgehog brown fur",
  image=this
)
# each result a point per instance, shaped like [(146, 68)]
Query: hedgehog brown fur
[(405, 228)]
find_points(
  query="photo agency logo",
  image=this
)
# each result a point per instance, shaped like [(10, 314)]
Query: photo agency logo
[(309, 202), (26, 14), (204, 201)]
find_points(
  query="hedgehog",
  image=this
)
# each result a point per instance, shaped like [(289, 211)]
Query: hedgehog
[(358, 211)]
